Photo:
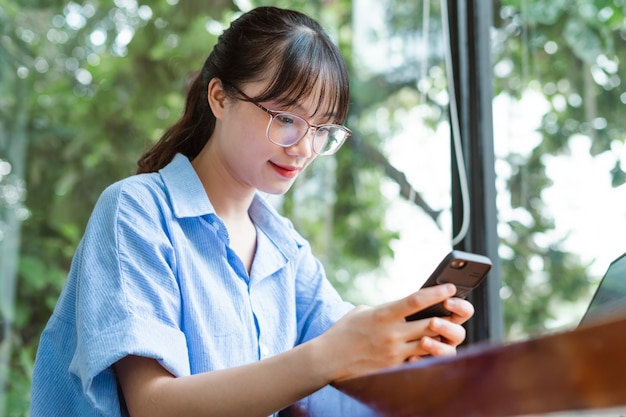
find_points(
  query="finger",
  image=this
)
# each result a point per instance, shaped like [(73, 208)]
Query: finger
[(448, 332), (462, 310), (436, 348), (416, 352), (417, 301)]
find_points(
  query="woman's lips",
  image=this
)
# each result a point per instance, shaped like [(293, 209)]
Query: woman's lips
[(286, 171)]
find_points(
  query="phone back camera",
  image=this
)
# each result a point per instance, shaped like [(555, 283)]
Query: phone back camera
[(458, 264)]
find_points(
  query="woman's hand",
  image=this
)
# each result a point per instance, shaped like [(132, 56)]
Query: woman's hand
[(368, 339)]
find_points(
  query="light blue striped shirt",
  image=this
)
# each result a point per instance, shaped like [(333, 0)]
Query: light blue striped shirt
[(154, 276)]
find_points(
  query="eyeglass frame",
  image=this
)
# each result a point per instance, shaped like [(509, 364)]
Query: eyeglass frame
[(274, 113)]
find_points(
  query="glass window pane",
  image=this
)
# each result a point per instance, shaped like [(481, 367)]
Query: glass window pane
[(559, 138)]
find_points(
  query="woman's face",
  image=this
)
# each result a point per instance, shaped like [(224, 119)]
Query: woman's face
[(248, 155)]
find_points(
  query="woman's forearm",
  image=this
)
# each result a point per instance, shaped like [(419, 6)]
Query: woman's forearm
[(257, 389)]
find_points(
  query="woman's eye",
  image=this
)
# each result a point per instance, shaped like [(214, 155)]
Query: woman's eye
[(284, 118)]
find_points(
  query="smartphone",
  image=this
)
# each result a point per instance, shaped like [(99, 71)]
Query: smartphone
[(463, 269)]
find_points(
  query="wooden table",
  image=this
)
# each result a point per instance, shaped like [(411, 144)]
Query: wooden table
[(574, 371)]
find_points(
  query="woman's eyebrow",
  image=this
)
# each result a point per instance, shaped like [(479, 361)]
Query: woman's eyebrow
[(299, 110)]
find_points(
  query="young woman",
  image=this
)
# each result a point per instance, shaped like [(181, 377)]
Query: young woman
[(189, 295)]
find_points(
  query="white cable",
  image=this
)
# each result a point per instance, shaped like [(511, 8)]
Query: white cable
[(425, 48), (456, 131)]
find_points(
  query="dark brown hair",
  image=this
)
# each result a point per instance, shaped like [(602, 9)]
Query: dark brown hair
[(286, 47)]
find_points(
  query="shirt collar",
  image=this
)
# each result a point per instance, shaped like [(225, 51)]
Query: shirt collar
[(187, 195), (277, 228), (189, 199)]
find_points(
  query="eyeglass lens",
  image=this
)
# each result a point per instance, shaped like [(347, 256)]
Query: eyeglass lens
[(287, 129)]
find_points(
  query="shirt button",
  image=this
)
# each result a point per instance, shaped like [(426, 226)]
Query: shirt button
[(264, 350)]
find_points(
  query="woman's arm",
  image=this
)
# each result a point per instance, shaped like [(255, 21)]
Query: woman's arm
[(365, 340), (257, 389)]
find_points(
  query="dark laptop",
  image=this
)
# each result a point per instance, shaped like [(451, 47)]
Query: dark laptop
[(609, 300)]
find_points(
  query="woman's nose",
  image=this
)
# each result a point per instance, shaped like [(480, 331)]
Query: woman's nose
[(304, 147)]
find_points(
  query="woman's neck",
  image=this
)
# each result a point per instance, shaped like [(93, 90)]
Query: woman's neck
[(231, 202), (230, 199)]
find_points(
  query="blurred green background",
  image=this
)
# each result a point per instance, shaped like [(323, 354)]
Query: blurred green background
[(86, 86)]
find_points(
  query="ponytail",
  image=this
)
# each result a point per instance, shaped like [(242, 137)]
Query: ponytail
[(187, 136)]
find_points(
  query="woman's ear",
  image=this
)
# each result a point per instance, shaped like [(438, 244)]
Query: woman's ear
[(217, 97)]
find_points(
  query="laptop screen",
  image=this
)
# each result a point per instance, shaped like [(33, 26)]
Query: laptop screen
[(610, 296)]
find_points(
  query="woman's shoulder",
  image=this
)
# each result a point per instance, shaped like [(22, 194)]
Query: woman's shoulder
[(141, 192)]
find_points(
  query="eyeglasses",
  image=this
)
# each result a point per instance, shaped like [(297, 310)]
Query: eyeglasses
[(287, 129)]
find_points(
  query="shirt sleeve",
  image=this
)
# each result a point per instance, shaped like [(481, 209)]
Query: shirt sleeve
[(127, 295)]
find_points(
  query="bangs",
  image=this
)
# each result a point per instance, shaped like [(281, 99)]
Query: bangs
[(310, 64)]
